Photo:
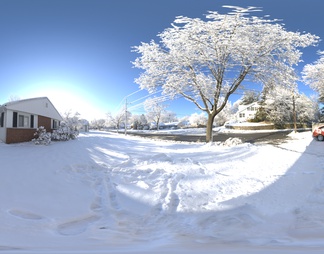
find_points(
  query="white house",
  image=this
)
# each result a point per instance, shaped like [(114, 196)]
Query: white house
[(19, 119), (246, 112), (83, 125)]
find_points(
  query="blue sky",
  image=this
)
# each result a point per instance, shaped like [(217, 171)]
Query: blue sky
[(78, 52)]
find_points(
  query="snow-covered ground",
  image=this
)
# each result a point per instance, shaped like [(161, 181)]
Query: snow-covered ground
[(107, 193)]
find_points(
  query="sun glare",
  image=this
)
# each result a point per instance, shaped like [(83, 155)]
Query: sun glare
[(67, 97)]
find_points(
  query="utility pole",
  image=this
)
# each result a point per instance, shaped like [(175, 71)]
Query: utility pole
[(126, 108), (126, 116)]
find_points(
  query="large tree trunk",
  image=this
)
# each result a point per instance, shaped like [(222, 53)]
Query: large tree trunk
[(158, 124), (209, 128)]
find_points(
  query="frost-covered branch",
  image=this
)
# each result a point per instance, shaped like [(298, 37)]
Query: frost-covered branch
[(313, 75)]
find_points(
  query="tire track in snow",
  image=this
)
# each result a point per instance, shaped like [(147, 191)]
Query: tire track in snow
[(103, 202)]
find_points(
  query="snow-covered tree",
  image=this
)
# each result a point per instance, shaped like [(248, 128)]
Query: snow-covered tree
[(249, 97), (14, 98), (138, 122), (206, 61), (184, 122), (313, 75), (118, 120), (110, 123), (235, 106), (318, 107), (198, 120), (279, 107), (98, 124), (306, 109), (225, 115), (168, 116), (281, 104), (154, 110), (72, 120)]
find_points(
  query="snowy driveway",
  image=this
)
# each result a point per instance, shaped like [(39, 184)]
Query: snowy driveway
[(106, 193)]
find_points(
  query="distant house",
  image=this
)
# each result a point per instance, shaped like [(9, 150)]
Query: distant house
[(83, 125), (19, 119), (246, 112), (164, 126)]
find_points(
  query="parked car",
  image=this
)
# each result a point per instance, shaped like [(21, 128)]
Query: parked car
[(319, 133)]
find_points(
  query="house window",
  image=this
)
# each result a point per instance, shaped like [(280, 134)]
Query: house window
[(55, 124), (23, 121), (242, 115)]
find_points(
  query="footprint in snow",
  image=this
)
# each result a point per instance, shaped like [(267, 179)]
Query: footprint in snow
[(25, 214), (76, 227), (309, 172), (161, 157)]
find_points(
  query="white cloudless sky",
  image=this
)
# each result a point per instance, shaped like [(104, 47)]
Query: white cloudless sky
[(78, 52)]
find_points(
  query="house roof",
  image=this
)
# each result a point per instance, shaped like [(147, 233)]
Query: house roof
[(40, 106), (244, 107)]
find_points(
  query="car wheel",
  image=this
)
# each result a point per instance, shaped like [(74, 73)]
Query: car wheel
[(320, 138)]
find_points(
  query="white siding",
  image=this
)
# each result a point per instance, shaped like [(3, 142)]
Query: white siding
[(2, 134), (3, 130), (9, 118), (38, 106), (246, 112)]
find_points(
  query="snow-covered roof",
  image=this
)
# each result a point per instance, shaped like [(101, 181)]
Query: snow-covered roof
[(244, 107), (39, 106), (84, 122)]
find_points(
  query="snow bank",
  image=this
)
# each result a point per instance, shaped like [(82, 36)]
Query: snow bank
[(109, 193)]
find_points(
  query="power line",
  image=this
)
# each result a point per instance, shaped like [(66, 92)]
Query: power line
[(146, 96), (121, 102), (155, 100)]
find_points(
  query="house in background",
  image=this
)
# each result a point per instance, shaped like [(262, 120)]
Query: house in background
[(246, 112), (83, 125), (20, 119)]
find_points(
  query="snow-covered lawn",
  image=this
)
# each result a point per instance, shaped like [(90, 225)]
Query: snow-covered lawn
[(107, 193)]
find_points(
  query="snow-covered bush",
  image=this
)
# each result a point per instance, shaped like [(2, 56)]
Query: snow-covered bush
[(64, 132), (232, 142), (42, 137), (198, 120)]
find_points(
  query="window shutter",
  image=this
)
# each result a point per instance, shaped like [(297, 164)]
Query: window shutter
[(14, 120), (2, 119), (32, 121)]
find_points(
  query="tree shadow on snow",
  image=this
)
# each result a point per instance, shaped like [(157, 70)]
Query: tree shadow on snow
[(288, 212)]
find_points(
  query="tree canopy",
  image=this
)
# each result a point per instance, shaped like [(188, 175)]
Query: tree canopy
[(206, 61), (313, 75)]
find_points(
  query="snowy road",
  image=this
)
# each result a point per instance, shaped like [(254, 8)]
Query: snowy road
[(269, 137)]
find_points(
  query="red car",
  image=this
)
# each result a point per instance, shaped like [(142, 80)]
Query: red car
[(319, 133)]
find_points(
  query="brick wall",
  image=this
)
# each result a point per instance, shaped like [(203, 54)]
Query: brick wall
[(46, 122), (16, 135)]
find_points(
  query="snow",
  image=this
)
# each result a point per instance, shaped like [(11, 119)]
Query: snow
[(110, 193)]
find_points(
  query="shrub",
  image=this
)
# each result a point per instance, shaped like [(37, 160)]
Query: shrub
[(64, 132), (41, 136)]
